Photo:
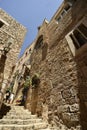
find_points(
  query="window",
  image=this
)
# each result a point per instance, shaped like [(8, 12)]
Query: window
[(64, 11), (77, 39), (83, 29), (59, 18), (74, 41), (1, 23), (67, 7), (79, 36)]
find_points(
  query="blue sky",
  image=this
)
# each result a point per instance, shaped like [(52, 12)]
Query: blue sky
[(31, 14)]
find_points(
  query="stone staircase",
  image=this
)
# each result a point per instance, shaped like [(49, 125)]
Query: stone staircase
[(19, 118)]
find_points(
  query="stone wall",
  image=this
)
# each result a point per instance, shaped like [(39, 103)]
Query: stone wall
[(62, 89), (14, 33), (22, 68), (12, 27)]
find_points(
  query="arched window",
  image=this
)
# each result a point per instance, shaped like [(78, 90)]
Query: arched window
[(39, 42)]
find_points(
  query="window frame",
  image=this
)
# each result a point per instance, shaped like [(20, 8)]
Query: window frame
[(81, 48), (60, 16)]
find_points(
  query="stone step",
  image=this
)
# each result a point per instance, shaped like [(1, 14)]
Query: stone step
[(36, 126), (13, 110), (20, 117), (19, 111), (19, 121), (45, 129), (14, 106), (18, 114), (57, 128)]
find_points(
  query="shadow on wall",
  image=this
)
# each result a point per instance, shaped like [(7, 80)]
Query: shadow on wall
[(4, 110), (44, 51), (34, 100), (82, 89), (2, 65), (81, 61)]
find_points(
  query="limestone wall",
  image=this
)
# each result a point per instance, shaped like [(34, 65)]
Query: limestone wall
[(14, 33), (21, 65), (12, 27), (62, 90)]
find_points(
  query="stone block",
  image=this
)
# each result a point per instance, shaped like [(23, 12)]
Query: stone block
[(71, 100), (74, 108), (66, 93), (66, 117), (63, 109), (74, 117)]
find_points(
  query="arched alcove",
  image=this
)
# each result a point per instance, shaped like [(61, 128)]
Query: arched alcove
[(39, 42), (44, 51)]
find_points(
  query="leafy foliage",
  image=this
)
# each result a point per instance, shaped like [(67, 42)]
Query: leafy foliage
[(27, 82), (35, 80)]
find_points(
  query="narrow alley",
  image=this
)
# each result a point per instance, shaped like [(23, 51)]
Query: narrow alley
[(45, 88)]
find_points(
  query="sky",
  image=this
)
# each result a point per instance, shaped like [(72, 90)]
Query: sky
[(30, 13)]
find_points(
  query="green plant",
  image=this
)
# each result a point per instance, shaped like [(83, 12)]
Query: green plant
[(27, 82), (35, 80), (9, 89)]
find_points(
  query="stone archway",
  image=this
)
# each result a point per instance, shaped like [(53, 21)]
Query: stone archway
[(39, 42)]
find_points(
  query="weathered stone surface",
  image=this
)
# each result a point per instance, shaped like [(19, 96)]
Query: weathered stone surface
[(66, 117), (64, 108), (66, 94), (23, 120), (74, 108), (63, 78), (12, 36)]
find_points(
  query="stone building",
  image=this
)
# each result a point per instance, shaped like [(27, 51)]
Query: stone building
[(22, 70), (59, 57), (12, 36)]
